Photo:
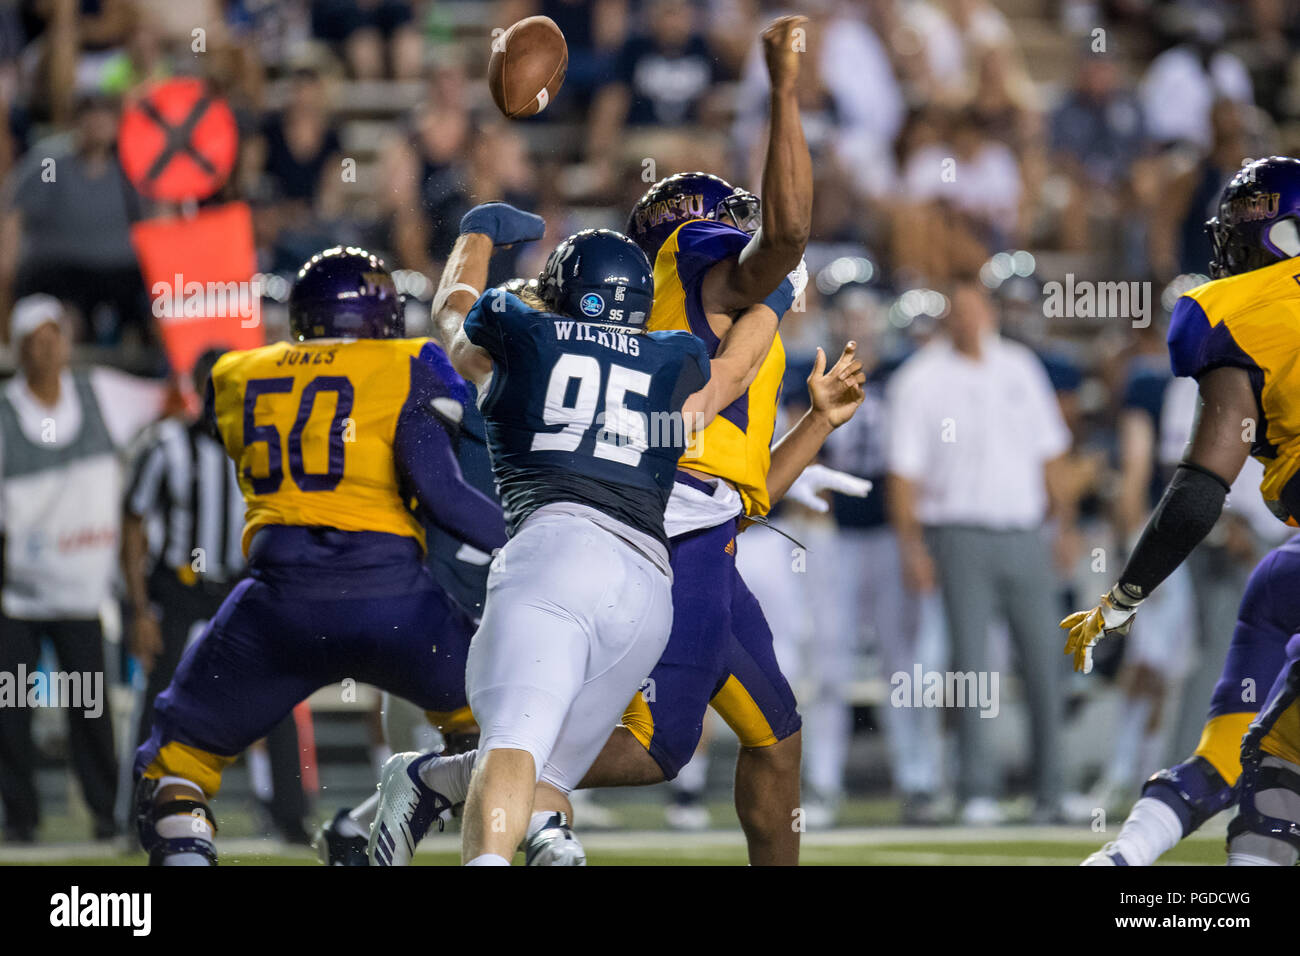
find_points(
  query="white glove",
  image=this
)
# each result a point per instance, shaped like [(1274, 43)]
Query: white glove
[(815, 479), (472, 555), (798, 277)]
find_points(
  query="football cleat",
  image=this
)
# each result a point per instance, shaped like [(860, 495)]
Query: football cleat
[(334, 848), (554, 844), (982, 812), (691, 817), (407, 808), (1108, 855)]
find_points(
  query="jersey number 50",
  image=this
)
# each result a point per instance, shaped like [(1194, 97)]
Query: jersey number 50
[(623, 432), (270, 435)]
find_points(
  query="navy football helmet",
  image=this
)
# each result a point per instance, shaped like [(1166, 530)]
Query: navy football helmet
[(1259, 217), (345, 292), (685, 196), (599, 275)]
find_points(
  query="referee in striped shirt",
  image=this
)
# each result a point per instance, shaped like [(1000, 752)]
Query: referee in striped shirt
[(181, 555)]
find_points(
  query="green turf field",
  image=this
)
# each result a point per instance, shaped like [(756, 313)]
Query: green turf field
[(869, 836), (1013, 846)]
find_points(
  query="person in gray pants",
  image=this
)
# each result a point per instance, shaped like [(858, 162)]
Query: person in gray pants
[(976, 443)]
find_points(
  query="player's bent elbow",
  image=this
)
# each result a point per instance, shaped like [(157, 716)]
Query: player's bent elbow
[(789, 241), (469, 360)]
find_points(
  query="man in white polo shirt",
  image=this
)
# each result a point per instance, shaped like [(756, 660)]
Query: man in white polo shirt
[(60, 511), (976, 440)]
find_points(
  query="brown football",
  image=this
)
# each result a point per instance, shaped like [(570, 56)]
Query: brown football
[(527, 66)]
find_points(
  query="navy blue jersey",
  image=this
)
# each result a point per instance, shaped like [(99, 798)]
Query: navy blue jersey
[(583, 413)]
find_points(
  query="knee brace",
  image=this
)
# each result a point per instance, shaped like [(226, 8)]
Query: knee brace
[(149, 813), (1194, 790), (1271, 778)]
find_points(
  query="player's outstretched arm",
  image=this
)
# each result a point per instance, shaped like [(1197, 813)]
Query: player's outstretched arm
[(777, 247), (1187, 511), (835, 396), (735, 365), (482, 229), (427, 463)]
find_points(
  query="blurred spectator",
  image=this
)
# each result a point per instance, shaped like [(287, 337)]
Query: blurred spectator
[(963, 195), (975, 438), (72, 39), (142, 59), (1096, 135), (67, 211), (1178, 242), (874, 608), (300, 151), (1275, 36), (376, 37), (1182, 84), (438, 170), (853, 97), (425, 172), (60, 506), (662, 77), (1004, 101)]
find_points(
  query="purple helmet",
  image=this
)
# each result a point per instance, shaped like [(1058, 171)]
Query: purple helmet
[(345, 292), (1259, 217), (685, 196)]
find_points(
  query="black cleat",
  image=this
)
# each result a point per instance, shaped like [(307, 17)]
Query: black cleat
[(337, 849)]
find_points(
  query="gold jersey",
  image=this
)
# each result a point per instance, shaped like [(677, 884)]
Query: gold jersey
[(1252, 321), (736, 445), (311, 428)]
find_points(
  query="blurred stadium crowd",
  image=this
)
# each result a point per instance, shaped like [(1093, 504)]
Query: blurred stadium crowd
[(968, 153)]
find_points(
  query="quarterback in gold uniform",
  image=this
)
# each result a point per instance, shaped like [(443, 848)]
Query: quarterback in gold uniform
[(342, 441), (717, 251), (1236, 335)]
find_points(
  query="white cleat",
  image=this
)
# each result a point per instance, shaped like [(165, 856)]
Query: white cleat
[(554, 845), (1108, 855), (982, 812), (690, 817), (407, 808)]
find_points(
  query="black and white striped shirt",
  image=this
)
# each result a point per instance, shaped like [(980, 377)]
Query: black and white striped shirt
[(184, 488)]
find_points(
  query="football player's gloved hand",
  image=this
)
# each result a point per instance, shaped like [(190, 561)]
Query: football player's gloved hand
[(1112, 615), (503, 223), (815, 479)]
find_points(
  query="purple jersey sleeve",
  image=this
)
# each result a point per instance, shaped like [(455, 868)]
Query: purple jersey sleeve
[(1196, 346), (426, 460)]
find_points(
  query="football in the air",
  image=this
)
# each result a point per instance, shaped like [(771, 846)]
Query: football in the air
[(527, 66)]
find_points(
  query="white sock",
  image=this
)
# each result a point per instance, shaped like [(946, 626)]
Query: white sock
[(1249, 859), (488, 859), (537, 821), (450, 775), (1152, 828), (259, 774), (185, 826)]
